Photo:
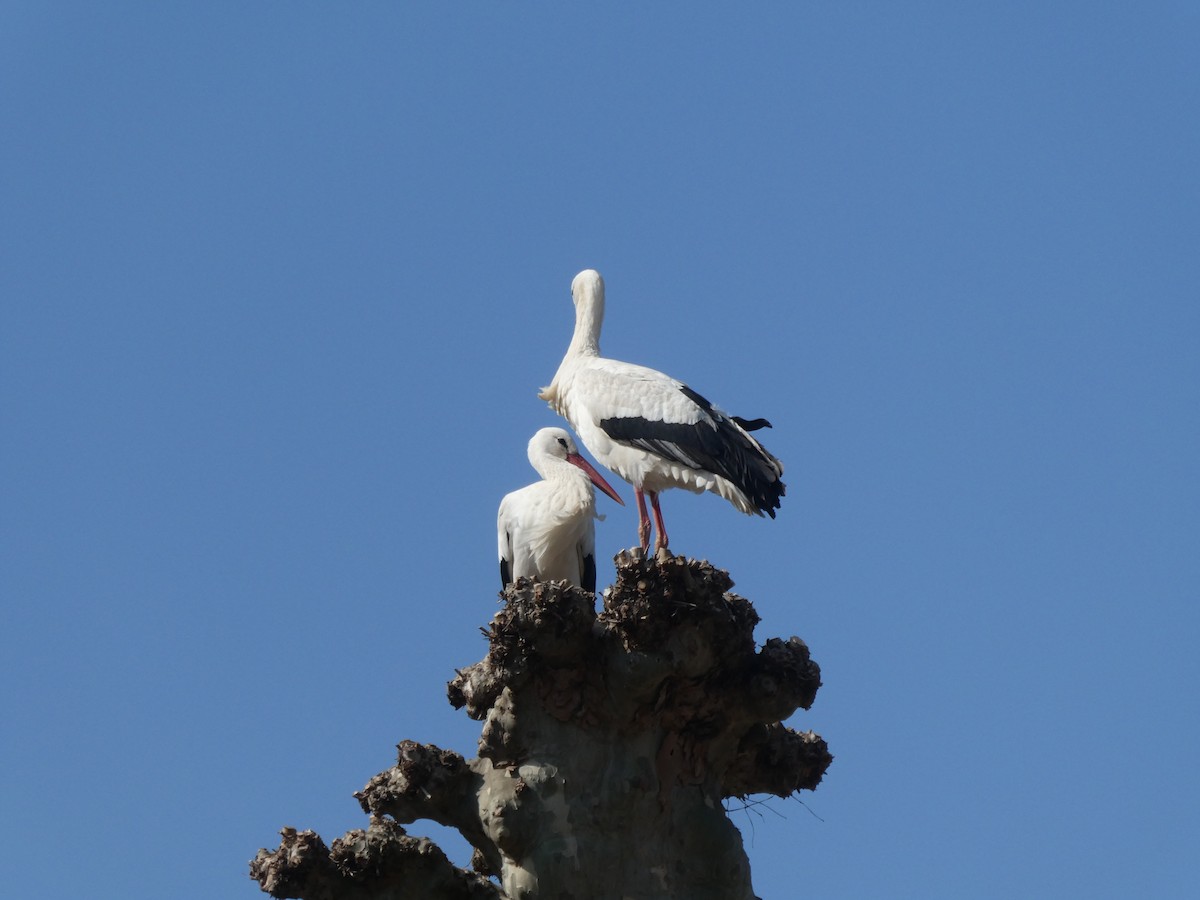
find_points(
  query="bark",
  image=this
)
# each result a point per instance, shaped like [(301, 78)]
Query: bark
[(609, 742)]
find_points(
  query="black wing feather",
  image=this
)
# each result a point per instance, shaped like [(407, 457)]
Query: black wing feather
[(589, 574)]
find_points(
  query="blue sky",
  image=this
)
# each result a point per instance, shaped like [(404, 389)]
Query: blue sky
[(280, 282)]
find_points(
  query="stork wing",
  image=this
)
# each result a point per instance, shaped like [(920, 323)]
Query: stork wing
[(644, 408), (504, 540)]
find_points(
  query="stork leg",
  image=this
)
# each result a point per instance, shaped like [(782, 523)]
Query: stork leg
[(643, 518), (661, 540)]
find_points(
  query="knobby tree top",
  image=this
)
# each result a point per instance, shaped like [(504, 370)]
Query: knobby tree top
[(609, 742)]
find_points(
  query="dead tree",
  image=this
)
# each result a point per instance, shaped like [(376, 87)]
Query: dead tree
[(609, 744)]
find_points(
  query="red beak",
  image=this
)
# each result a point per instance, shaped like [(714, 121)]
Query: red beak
[(595, 477)]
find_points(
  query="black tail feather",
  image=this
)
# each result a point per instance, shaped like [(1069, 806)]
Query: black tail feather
[(750, 424)]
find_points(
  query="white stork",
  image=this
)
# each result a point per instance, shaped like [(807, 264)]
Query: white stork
[(546, 529), (655, 431)]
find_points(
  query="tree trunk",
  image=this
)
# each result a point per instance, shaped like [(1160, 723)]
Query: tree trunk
[(609, 743)]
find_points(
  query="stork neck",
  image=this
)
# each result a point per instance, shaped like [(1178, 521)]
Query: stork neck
[(589, 317), (559, 471)]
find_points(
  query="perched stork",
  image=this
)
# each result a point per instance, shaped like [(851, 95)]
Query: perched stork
[(546, 529), (655, 431)]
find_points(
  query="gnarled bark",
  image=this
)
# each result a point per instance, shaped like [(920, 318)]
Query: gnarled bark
[(608, 744)]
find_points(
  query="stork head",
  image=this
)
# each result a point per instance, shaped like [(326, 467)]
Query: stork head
[(587, 283), (558, 443)]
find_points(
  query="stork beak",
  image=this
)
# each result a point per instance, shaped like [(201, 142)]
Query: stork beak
[(595, 477)]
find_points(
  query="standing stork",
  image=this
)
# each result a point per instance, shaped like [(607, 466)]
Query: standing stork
[(655, 431), (547, 530)]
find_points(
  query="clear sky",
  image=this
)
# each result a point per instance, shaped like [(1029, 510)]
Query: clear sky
[(280, 281)]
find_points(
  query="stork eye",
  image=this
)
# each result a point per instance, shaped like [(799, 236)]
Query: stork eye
[(562, 442)]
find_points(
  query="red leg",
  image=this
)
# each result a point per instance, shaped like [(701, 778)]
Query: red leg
[(643, 519), (661, 541)]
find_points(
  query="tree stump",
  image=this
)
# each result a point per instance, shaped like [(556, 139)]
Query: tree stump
[(609, 743)]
